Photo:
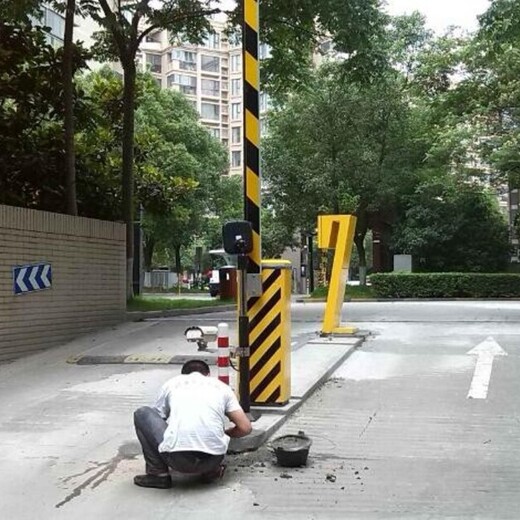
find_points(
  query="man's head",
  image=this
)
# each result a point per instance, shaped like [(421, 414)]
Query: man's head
[(195, 365)]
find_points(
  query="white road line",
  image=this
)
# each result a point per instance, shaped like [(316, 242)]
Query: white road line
[(486, 352)]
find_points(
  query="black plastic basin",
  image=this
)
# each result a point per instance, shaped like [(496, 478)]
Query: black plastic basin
[(292, 450)]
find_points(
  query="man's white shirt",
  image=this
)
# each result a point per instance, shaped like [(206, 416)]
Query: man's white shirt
[(195, 407)]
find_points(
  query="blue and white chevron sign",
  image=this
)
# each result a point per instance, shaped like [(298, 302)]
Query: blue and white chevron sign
[(34, 277)]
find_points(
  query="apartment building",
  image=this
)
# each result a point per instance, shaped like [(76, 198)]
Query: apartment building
[(210, 75)]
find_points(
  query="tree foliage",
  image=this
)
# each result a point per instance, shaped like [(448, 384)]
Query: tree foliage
[(341, 148), (454, 226), (31, 117)]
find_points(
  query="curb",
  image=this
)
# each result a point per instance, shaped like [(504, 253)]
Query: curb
[(147, 315), (383, 300), (245, 444), (141, 359)]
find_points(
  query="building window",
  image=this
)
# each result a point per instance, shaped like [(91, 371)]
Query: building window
[(185, 84), (215, 132), (236, 110), (264, 51), (210, 63), (210, 87), (235, 39), (210, 111), (236, 87), (212, 40), (187, 60), (263, 127), (55, 22), (236, 159), (235, 135), (236, 63), (264, 102), (154, 63), (154, 37)]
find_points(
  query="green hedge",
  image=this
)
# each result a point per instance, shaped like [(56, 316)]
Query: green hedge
[(445, 285)]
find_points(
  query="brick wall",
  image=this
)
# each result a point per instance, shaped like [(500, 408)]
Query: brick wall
[(88, 278)]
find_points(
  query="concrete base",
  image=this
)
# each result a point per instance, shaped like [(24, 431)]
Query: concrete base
[(250, 443)]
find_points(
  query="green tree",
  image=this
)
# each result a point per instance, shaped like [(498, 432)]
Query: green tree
[(276, 237), (340, 147), (126, 25), (454, 226), (68, 101), (185, 152), (31, 117), (295, 31), (226, 204)]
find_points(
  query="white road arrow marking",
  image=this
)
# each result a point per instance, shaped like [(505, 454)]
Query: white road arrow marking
[(19, 280), (486, 352)]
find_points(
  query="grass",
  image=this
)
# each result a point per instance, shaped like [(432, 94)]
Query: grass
[(353, 292), (141, 304), (175, 290)]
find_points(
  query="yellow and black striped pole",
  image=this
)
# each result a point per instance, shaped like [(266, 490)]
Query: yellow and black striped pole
[(251, 96), (251, 151)]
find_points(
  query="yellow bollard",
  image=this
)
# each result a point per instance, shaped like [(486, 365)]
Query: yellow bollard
[(336, 232), (270, 336)]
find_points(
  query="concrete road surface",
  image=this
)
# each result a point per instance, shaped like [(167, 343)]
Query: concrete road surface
[(395, 434)]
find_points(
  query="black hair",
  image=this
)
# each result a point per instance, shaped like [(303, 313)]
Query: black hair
[(195, 365)]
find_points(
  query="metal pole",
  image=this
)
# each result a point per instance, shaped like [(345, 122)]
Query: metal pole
[(251, 266), (311, 262), (243, 337)]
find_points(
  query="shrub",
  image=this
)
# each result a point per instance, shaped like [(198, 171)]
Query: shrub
[(446, 285)]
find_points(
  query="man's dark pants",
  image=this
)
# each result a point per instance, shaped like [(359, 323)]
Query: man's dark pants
[(150, 428)]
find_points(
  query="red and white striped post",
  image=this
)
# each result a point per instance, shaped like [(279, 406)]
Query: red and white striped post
[(223, 352)]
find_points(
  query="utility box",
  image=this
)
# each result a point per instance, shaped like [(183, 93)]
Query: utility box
[(228, 283), (402, 263)]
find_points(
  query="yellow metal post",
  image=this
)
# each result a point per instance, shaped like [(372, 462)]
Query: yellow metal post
[(336, 232), (251, 97), (250, 272), (268, 322), (270, 336)]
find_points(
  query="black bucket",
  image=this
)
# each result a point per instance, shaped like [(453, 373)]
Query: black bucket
[(292, 450)]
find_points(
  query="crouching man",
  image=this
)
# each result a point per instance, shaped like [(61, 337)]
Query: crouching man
[(185, 431)]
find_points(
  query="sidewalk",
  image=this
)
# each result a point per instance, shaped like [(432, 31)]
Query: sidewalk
[(67, 445)]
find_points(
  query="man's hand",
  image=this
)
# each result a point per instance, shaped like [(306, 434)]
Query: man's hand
[(242, 424)]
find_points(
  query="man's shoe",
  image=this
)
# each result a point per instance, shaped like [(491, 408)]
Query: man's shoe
[(153, 481), (212, 476)]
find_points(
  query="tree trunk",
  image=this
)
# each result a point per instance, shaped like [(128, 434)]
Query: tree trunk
[(359, 240), (68, 100), (128, 167), (178, 267), (148, 248)]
